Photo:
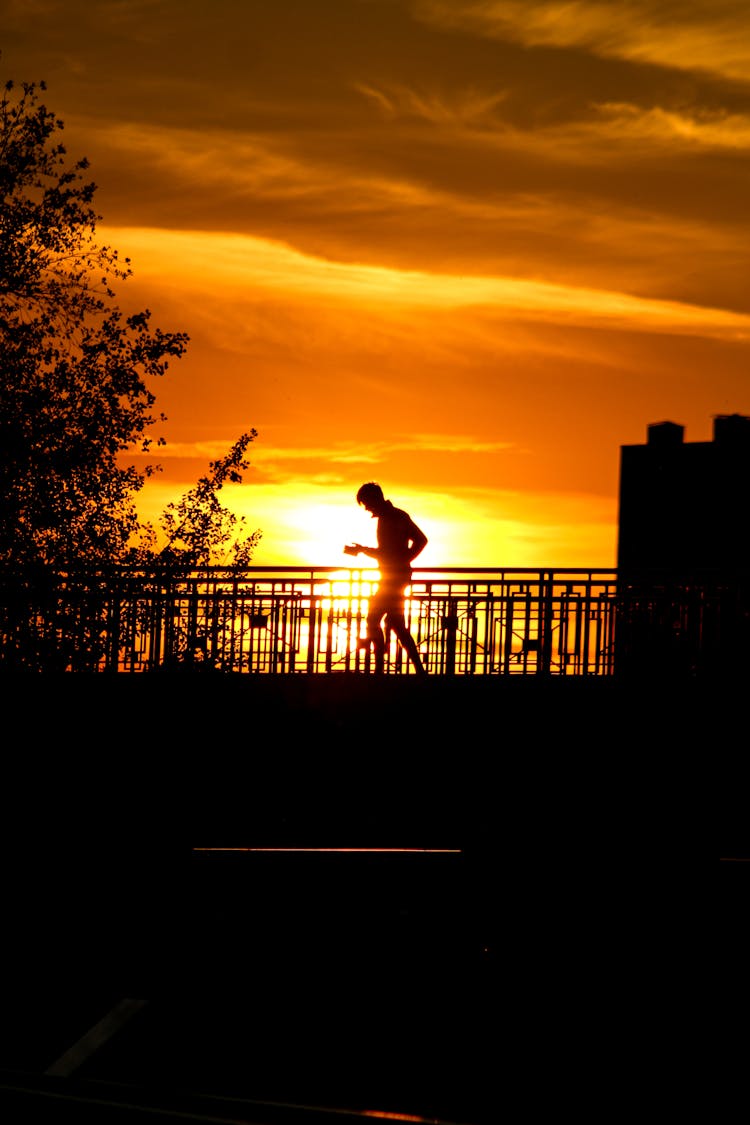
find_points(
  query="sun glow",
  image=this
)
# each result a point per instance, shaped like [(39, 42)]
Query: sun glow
[(324, 528), (309, 525)]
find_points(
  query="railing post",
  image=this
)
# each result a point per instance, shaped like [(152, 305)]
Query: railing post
[(546, 620), (450, 628)]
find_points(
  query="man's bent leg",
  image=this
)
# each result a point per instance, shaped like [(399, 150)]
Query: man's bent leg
[(407, 642), (376, 637), (411, 647)]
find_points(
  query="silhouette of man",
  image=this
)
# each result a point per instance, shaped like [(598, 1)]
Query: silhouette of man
[(399, 543)]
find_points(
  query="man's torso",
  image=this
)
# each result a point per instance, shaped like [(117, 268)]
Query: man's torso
[(395, 533)]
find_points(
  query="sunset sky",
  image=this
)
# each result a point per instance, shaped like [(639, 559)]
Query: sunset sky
[(465, 248)]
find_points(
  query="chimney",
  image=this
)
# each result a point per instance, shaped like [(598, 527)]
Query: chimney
[(665, 434), (732, 429)]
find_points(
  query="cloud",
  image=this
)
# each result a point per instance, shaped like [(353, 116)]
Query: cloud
[(658, 126), (709, 35), (200, 260), (614, 133), (463, 108), (344, 453), (625, 198)]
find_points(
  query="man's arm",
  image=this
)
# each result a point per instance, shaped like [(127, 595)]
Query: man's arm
[(358, 549), (418, 541)]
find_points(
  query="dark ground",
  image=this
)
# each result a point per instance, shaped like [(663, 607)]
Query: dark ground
[(543, 959)]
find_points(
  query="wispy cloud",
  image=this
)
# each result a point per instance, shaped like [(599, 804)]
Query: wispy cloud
[(702, 35), (613, 133), (202, 259), (346, 453), (466, 107), (619, 199), (683, 130)]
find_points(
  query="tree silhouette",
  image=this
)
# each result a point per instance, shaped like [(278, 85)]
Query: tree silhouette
[(199, 530), (74, 371), (75, 401)]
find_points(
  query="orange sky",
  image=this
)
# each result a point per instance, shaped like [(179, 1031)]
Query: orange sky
[(466, 249)]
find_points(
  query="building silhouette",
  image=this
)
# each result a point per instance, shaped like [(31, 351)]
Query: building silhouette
[(684, 505), (683, 552)]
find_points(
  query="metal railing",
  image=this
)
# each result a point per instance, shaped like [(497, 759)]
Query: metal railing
[(465, 621)]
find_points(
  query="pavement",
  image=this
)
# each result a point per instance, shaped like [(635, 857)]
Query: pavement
[(296, 900)]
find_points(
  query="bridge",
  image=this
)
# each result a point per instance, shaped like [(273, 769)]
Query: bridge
[(467, 621)]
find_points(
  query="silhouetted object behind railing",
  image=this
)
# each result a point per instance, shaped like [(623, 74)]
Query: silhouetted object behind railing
[(683, 626)]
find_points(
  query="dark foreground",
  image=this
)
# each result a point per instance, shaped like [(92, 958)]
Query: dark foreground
[(535, 947)]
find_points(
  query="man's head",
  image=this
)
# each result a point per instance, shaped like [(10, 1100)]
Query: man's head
[(370, 496)]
